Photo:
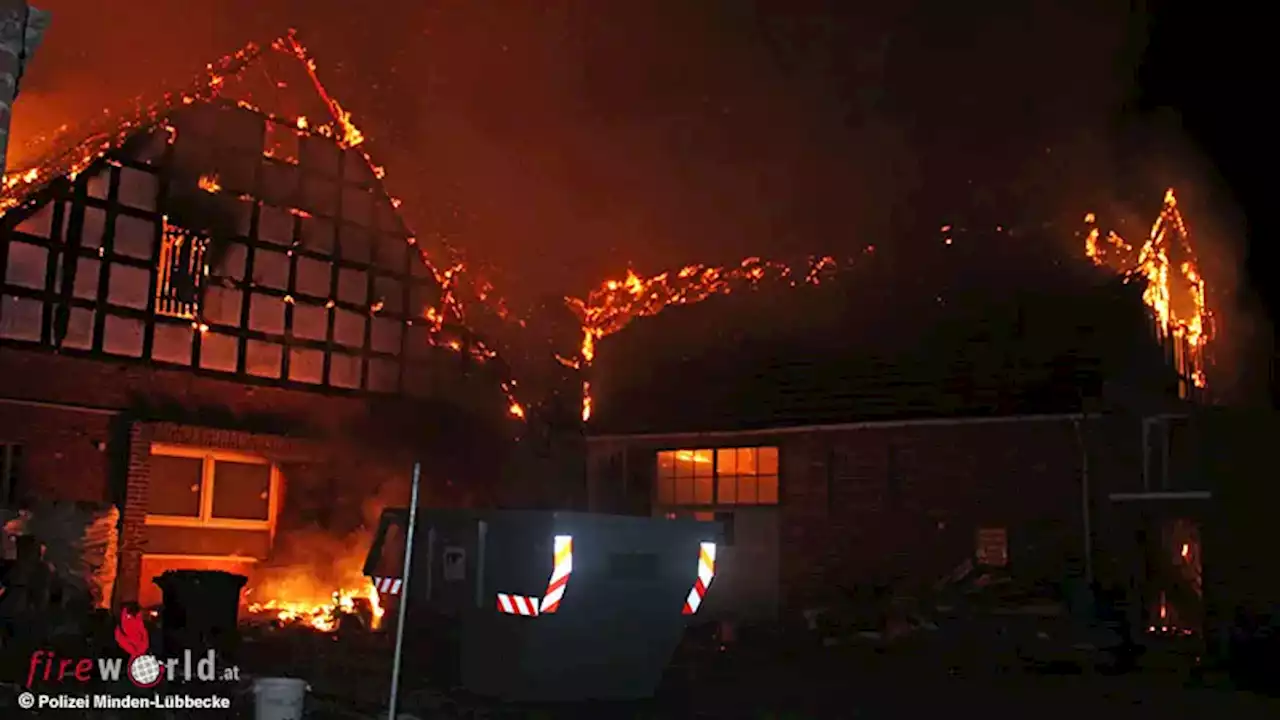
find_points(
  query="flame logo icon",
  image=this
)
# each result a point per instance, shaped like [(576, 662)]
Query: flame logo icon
[(133, 638)]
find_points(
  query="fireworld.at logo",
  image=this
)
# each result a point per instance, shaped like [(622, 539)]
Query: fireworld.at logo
[(141, 668)]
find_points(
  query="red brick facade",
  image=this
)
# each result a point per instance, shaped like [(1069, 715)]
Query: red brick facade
[(901, 503), (86, 429)]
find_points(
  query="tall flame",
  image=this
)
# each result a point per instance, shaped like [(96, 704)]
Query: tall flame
[(1175, 288)]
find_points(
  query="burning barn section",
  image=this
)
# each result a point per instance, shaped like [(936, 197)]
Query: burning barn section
[(214, 323), (1050, 436)]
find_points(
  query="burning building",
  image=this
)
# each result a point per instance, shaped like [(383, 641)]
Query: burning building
[(839, 451), (214, 318)]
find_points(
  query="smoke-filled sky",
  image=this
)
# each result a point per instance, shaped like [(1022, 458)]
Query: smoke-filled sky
[(561, 140)]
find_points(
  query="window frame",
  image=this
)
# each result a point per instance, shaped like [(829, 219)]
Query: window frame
[(209, 460), (716, 477), (170, 273)]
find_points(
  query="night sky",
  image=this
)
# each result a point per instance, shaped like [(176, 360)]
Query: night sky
[(565, 140)]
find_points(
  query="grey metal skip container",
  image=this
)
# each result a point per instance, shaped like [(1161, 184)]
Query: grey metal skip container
[(537, 606)]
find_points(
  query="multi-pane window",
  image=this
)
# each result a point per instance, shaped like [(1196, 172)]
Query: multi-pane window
[(210, 488), (719, 476)]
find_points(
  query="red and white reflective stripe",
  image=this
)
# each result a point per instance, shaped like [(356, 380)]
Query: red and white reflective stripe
[(390, 586), (517, 605), (550, 603), (706, 573), (559, 574)]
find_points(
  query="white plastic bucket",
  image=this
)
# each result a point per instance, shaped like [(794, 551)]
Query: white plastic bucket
[(279, 698)]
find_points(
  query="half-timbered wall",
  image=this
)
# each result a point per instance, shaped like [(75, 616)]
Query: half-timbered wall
[(227, 242)]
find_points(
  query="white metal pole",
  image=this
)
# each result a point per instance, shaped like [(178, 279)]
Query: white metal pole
[(404, 593)]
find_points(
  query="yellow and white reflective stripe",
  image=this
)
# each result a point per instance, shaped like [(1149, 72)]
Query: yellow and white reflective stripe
[(550, 601), (559, 574), (706, 573)]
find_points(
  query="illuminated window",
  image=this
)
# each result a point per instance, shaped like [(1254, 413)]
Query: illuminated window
[(721, 476), (686, 477), (197, 487), (182, 272)]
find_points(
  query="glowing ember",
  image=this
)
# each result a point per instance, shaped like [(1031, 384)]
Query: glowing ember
[(209, 183), (612, 306), (1175, 289)]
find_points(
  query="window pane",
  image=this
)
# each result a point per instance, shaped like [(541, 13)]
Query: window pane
[(666, 491), (175, 486), (767, 459), (684, 463), (241, 490), (684, 491), (767, 487), (746, 490), (703, 488), (702, 463), (728, 490), (666, 464), (727, 461), (746, 461)]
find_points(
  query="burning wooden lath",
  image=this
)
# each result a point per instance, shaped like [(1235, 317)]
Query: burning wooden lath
[(182, 272)]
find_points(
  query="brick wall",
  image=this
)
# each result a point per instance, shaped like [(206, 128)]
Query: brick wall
[(65, 452), (901, 504), (86, 427)]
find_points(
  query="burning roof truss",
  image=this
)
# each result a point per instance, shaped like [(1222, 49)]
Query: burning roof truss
[(303, 269)]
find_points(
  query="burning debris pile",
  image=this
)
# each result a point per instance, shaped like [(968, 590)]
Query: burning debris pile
[(315, 578), (317, 591)]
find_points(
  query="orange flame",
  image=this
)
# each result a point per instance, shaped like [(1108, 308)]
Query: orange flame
[(209, 183), (616, 303), (19, 187), (321, 616), (1175, 288)]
